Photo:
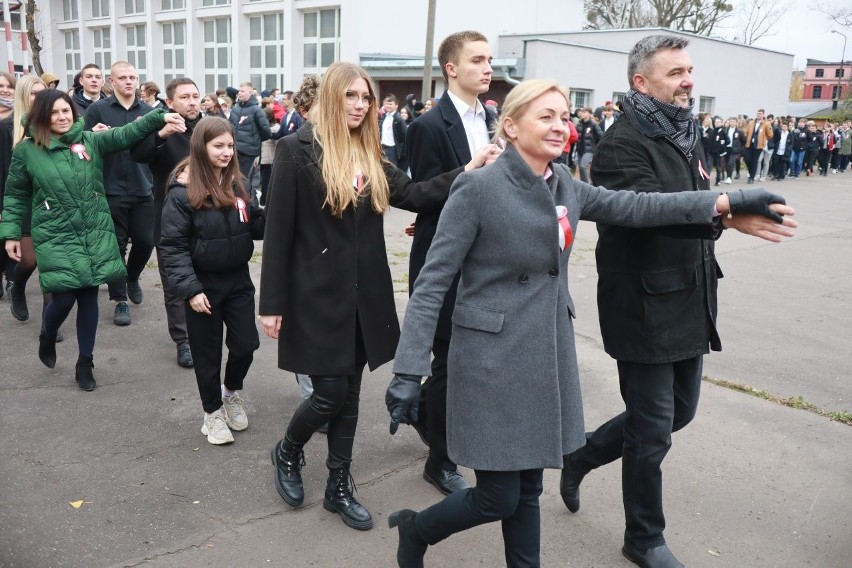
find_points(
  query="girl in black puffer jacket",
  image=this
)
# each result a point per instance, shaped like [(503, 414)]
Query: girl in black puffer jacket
[(209, 224)]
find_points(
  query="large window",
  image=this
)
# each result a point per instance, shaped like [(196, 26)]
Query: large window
[(137, 51), (173, 4), (835, 91), (706, 104), (266, 51), (217, 53), (839, 73), (617, 97), (72, 55), (134, 6), (69, 10), (216, 2), (100, 8), (580, 98), (321, 33), (818, 91), (820, 73), (103, 47), (174, 50)]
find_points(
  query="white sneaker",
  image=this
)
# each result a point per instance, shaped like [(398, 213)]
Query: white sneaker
[(762, 179), (216, 428), (728, 181), (235, 412)]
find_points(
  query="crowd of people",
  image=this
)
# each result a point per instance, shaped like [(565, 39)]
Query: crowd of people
[(95, 183)]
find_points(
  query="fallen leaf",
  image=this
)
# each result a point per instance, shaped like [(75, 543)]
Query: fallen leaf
[(196, 502), (80, 503), (714, 553), (194, 449)]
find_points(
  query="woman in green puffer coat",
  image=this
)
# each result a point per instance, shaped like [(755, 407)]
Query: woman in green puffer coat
[(58, 169)]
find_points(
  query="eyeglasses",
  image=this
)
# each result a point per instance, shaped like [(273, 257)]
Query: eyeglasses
[(352, 98)]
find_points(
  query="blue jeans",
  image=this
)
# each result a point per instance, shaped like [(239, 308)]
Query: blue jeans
[(797, 158), (659, 399)]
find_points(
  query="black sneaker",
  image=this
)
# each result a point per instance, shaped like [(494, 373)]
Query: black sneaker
[(134, 291), (184, 357), (121, 316)]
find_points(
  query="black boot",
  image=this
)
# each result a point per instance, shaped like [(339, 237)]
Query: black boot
[(339, 499), (19, 308), (288, 460), (412, 548), (47, 350), (569, 485), (83, 374)]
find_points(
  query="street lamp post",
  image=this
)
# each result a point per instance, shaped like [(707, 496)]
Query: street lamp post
[(840, 76)]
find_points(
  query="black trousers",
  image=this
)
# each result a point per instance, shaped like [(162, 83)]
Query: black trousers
[(780, 164), (751, 155), (175, 307), (659, 399), (246, 162), (265, 175), (733, 160), (133, 218), (334, 401), (436, 407), (231, 297), (510, 497), (810, 158), (390, 154)]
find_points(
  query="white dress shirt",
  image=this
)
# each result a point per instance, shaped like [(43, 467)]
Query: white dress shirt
[(473, 120)]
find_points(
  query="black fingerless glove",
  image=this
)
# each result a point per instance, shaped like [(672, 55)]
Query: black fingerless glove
[(755, 201)]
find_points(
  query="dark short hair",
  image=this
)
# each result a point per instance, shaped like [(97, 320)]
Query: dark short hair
[(91, 66), (645, 50), (38, 119), (175, 83), (389, 97), (451, 47)]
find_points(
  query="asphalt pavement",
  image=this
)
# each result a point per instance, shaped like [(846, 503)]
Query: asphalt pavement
[(749, 483)]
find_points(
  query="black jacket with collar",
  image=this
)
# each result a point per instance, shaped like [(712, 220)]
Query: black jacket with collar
[(162, 155), (656, 287), (251, 126), (399, 130), (328, 276), (436, 143), (122, 175), (718, 138), (204, 240)]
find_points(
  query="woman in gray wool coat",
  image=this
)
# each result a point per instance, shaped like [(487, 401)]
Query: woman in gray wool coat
[(513, 400)]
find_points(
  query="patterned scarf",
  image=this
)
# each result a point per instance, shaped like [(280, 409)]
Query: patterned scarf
[(675, 121)]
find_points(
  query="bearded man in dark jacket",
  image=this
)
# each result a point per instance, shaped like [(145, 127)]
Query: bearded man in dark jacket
[(162, 151), (656, 293)]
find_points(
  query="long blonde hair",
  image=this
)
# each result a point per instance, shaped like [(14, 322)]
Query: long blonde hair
[(342, 147), (23, 89)]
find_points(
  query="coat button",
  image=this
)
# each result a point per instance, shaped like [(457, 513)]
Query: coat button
[(356, 285), (523, 279), (689, 218), (554, 272)]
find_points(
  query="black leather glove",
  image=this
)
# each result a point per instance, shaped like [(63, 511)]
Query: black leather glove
[(402, 399), (756, 201)]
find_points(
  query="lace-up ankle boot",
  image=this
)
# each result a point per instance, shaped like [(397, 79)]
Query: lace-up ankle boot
[(288, 460), (339, 499)]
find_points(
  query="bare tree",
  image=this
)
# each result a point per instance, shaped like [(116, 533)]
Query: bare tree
[(837, 12), (758, 18), (797, 85), (33, 37), (695, 16)]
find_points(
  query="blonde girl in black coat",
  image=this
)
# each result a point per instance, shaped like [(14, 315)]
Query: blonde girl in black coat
[(326, 291)]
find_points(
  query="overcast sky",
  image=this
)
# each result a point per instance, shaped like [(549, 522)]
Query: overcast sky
[(805, 32)]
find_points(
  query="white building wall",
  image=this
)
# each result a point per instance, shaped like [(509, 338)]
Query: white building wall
[(759, 79), (366, 26)]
